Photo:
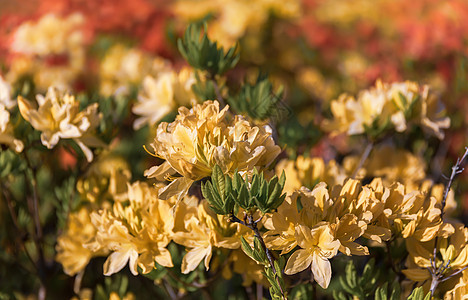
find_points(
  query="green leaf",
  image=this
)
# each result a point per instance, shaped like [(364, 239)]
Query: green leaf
[(246, 247), (418, 294), (381, 292)]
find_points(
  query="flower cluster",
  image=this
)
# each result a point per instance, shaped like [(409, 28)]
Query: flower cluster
[(203, 137), (144, 161), (395, 105), (58, 116)]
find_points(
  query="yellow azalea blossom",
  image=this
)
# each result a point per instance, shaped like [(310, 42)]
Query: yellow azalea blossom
[(451, 251), (137, 233), (71, 252), (6, 128), (317, 247), (122, 67), (5, 94), (307, 171), (233, 19), (6, 131), (316, 84), (51, 36), (162, 94), (391, 164), (31, 37), (203, 137), (106, 179), (281, 225), (410, 214), (348, 211), (203, 231), (58, 117), (250, 270), (396, 104)]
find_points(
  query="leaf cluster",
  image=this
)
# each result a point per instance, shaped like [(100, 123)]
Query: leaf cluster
[(365, 286), (203, 54), (275, 279), (10, 163), (259, 100), (225, 194)]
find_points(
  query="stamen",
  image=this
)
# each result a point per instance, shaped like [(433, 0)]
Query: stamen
[(152, 154)]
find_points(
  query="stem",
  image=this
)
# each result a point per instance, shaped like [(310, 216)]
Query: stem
[(437, 273), (253, 225), (217, 91), (21, 234), (37, 236), (363, 158), (456, 169)]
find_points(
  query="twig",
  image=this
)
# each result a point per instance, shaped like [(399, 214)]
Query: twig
[(169, 290), (363, 158), (21, 234), (438, 273), (252, 224), (218, 92), (37, 237)]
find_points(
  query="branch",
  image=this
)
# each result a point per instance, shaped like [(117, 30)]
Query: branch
[(438, 273), (363, 158)]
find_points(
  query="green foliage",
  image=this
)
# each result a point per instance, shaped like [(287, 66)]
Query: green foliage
[(256, 253), (203, 54), (117, 284), (218, 192), (204, 89), (293, 134), (274, 276), (418, 294), (366, 285), (10, 163), (225, 194), (259, 100), (66, 200), (377, 128)]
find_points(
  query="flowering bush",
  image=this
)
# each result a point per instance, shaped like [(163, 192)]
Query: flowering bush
[(214, 149)]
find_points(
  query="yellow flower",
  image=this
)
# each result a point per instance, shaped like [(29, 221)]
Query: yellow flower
[(58, 116), (137, 233), (204, 136), (43, 38), (162, 94), (203, 231), (50, 36), (318, 245), (122, 67), (348, 209), (71, 252), (5, 94), (410, 214), (6, 131), (307, 171), (106, 179), (250, 270), (234, 19), (391, 164), (451, 251), (281, 225), (396, 104)]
